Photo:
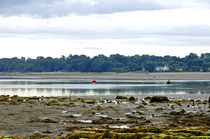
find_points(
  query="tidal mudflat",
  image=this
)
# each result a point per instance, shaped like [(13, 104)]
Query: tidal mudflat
[(104, 117), (151, 110)]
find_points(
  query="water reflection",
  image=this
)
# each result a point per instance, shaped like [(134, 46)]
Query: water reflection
[(64, 87)]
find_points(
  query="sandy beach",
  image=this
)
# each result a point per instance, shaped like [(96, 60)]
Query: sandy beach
[(113, 76)]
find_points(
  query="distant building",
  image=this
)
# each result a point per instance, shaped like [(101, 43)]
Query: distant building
[(161, 68), (180, 69)]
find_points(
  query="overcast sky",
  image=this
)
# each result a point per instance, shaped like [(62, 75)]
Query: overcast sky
[(32, 28)]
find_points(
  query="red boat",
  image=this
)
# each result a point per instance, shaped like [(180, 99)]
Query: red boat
[(93, 80)]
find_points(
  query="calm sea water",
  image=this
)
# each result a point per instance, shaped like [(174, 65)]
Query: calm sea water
[(83, 87)]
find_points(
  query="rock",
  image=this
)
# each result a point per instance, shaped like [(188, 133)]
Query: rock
[(147, 121), (4, 98), (52, 103), (38, 136), (140, 112), (159, 99), (47, 132), (178, 113), (140, 106), (33, 120), (159, 109), (174, 113), (13, 102), (98, 107), (89, 101), (194, 132), (147, 98), (48, 120), (172, 107), (37, 120), (34, 98), (132, 98), (144, 102), (121, 97)]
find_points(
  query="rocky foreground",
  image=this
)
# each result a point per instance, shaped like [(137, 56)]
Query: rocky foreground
[(105, 117)]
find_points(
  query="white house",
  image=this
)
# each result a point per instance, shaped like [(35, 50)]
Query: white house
[(161, 68)]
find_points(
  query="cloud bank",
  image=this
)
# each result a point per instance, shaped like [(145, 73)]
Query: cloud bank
[(82, 25), (50, 8)]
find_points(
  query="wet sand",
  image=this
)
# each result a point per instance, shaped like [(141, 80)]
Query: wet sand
[(113, 76), (111, 116)]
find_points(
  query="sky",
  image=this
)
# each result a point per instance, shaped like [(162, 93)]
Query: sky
[(31, 28)]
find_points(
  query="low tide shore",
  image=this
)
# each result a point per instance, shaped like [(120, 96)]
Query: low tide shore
[(105, 117), (143, 116), (112, 75)]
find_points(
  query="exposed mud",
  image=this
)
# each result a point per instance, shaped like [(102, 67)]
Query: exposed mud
[(62, 117)]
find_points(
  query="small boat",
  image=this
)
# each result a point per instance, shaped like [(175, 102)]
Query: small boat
[(93, 81), (168, 82)]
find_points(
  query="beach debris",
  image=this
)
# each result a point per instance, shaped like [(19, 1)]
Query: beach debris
[(48, 120), (76, 115), (85, 121), (64, 112), (119, 126), (159, 99), (114, 102), (41, 120), (101, 115)]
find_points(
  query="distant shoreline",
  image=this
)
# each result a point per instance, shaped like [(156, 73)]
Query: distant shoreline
[(110, 75)]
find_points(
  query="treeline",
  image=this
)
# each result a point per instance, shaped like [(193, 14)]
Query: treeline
[(113, 63)]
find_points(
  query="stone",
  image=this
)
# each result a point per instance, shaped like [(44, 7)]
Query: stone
[(159, 99)]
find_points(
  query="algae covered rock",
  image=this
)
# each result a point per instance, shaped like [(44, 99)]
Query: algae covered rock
[(121, 97), (159, 99), (131, 98), (38, 136)]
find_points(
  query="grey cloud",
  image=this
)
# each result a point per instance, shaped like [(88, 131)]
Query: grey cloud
[(193, 31), (48, 8)]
